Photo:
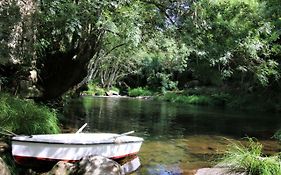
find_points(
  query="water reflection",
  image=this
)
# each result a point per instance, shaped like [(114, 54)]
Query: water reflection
[(178, 138), (156, 120), (131, 166)]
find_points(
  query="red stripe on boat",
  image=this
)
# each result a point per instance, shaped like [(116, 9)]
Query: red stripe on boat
[(23, 160)]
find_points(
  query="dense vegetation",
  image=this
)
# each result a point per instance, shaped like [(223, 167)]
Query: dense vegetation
[(210, 52), (58, 46), (26, 117)]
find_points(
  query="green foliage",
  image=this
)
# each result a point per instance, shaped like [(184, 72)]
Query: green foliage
[(94, 89), (9, 16), (139, 92), (199, 96), (186, 99), (251, 160), (162, 44), (232, 38), (161, 57), (25, 117)]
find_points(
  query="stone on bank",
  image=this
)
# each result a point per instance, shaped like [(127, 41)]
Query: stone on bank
[(4, 170), (90, 165)]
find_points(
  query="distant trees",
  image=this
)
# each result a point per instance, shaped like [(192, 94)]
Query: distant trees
[(225, 42), (160, 44)]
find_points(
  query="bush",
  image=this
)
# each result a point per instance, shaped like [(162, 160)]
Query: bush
[(94, 89), (251, 160), (26, 117), (139, 92)]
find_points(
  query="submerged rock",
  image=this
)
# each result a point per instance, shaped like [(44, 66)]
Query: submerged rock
[(218, 171), (4, 170)]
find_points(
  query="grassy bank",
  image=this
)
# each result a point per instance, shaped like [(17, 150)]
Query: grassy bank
[(260, 101), (197, 96), (94, 89), (140, 91), (250, 159), (25, 117), (232, 100)]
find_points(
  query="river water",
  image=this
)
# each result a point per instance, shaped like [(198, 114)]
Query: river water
[(179, 138)]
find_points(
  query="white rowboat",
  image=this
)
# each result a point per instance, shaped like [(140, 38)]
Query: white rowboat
[(73, 147)]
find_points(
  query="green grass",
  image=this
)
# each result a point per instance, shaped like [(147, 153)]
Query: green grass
[(25, 117), (139, 92), (250, 159)]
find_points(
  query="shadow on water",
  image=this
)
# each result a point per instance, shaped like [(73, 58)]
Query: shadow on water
[(178, 138)]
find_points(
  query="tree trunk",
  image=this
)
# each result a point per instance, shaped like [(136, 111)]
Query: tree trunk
[(62, 71)]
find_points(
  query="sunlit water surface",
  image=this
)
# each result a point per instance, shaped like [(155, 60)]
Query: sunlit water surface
[(179, 138)]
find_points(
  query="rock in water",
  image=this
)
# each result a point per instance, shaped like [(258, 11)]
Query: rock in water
[(90, 165), (98, 165), (4, 170)]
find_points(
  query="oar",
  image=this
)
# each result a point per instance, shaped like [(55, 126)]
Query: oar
[(123, 134), (81, 129), (126, 133)]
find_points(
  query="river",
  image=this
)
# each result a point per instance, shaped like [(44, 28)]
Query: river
[(179, 138)]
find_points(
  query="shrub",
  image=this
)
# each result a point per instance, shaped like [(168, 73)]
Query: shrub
[(26, 117), (251, 160), (94, 89), (139, 92)]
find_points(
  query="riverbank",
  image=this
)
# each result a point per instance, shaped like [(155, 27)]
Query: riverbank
[(204, 96), (229, 100)]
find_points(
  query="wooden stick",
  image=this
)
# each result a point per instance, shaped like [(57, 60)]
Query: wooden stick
[(120, 135)]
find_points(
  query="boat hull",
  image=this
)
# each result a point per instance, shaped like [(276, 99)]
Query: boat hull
[(28, 150)]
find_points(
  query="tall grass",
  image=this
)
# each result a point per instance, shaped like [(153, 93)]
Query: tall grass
[(250, 159), (25, 117)]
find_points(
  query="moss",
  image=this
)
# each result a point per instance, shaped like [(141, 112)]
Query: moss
[(25, 117)]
